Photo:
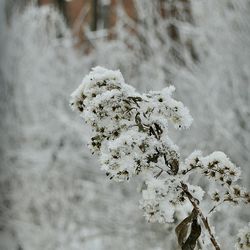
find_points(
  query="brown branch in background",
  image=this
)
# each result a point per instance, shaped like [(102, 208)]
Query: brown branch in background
[(94, 15)]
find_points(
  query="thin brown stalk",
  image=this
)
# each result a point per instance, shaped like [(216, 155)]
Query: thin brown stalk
[(204, 220)]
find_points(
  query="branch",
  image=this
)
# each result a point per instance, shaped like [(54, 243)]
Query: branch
[(203, 219)]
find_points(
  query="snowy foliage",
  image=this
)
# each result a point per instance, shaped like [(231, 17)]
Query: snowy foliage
[(243, 238), (131, 137), (116, 112), (50, 186)]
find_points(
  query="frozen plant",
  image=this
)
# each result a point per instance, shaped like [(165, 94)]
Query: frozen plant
[(131, 137), (243, 239)]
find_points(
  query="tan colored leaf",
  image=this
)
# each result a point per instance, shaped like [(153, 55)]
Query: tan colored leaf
[(182, 229), (195, 233)]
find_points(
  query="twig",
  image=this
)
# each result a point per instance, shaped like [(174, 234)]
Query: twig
[(157, 175), (203, 219)]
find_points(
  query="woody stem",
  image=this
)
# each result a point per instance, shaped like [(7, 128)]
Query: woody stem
[(204, 220)]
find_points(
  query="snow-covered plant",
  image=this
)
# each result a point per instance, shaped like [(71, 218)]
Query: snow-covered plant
[(131, 137), (243, 238)]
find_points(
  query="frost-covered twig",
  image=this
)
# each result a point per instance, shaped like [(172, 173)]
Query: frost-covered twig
[(199, 212), (131, 137)]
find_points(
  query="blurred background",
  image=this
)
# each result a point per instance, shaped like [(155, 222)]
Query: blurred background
[(52, 193)]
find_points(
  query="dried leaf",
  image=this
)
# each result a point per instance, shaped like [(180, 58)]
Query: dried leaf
[(182, 229), (174, 165), (193, 236), (139, 122)]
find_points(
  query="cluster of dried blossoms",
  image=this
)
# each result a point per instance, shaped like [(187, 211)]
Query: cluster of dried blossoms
[(243, 240), (130, 136)]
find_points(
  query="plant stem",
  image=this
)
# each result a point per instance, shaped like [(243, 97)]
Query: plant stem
[(203, 219), (190, 197)]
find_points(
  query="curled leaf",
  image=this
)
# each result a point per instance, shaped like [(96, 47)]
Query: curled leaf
[(190, 223), (193, 236)]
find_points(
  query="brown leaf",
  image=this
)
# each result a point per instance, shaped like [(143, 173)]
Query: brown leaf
[(139, 122), (193, 236), (188, 242), (182, 229), (174, 165)]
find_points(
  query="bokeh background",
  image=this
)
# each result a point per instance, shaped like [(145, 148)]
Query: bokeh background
[(53, 195)]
